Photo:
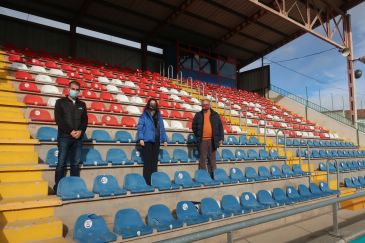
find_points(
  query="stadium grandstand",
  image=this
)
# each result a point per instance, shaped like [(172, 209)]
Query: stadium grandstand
[(288, 171)]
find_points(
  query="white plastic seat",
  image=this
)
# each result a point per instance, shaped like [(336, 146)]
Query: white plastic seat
[(122, 98), (44, 78), (136, 100), (129, 84), (51, 102), (299, 133), (298, 120), (274, 107), (175, 97), (19, 66), (257, 109), (184, 93), (103, 80), (251, 104), (331, 136), (116, 81), (284, 125), (286, 113), (249, 122), (131, 109), (196, 108), (164, 89), (174, 91), (335, 135), (195, 100), (311, 128), (224, 99), (50, 89), (236, 129), (234, 113), (237, 107), (249, 114), (166, 124), (305, 134), (276, 118), (176, 125), (186, 106), (57, 72), (112, 88), (38, 69), (258, 105), (220, 104), (245, 103)]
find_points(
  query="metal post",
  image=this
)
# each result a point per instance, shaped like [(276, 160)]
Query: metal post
[(265, 133), (229, 237), (320, 100), (332, 101), (306, 103), (163, 69), (170, 74), (230, 112), (181, 77), (308, 162), (343, 107), (335, 219), (191, 85), (199, 92), (246, 121), (216, 100)]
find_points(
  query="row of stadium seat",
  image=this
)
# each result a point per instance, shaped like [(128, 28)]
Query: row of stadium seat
[(315, 154), (344, 166), (116, 156), (71, 188), (128, 222), (355, 182), (315, 143)]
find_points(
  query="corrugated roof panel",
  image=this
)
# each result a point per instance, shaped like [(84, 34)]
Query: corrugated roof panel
[(247, 43)]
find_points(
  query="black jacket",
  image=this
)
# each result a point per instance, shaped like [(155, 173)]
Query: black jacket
[(217, 127), (70, 116)]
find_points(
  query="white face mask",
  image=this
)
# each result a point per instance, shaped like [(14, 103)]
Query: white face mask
[(74, 93)]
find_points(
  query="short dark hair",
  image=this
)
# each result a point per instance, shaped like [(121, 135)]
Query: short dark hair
[(74, 82)]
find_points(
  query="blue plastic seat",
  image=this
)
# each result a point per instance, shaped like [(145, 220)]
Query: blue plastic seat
[(289, 142), (252, 174), (310, 143), (249, 202), (264, 172), (135, 183), (252, 155), (296, 142), (220, 175), (243, 140), (92, 228), (315, 189), (276, 172), (177, 138), (101, 136), (323, 153), (279, 195), (253, 141), (117, 157), (164, 157), (325, 188), (162, 182), (218, 156), (203, 177), (322, 166), (47, 134), (361, 180), (231, 140), (128, 224), (180, 155), (304, 192), (287, 171), (231, 205), (183, 179), (273, 155), (124, 137), (315, 154), (236, 174), (293, 194), (297, 170), (189, 214), (240, 155), (73, 187), (210, 208), (264, 197), (263, 154), (136, 156), (194, 154), (52, 157), (107, 185), (92, 157), (159, 217), (344, 166), (356, 182), (191, 139), (227, 155)]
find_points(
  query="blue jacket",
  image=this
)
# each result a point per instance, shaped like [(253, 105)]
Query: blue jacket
[(146, 128)]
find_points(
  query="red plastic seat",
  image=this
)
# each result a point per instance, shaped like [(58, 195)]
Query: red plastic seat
[(188, 115), (128, 122), (34, 100), (98, 106), (15, 58), (175, 114), (133, 78), (24, 75), (40, 115), (30, 87), (165, 104), (145, 81), (88, 77), (140, 92), (50, 64), (142, 86), (164, 113), (227, 129), (127, 91), (73, 75), (96, 86), (189, 125), (106, 96), (177, 105), (96, 72), (93, 119), (81, 70), (109, 74), (116, 108), (66, 67), (34, 62), (185, 99), (110, 120), (164, 96), (152, 94), (89, 94), (83, 84), (62, 81)]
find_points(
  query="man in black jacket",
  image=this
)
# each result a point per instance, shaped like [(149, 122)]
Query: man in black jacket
[(71, 118), (208, 130)]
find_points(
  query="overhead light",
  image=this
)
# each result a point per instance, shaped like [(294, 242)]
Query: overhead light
[(362, 59), (345, 51), (358, 73)]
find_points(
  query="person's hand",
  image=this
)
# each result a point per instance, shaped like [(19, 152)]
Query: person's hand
[(73, 133), (141, 142), (78, 134), (165, 144), (220, 142)]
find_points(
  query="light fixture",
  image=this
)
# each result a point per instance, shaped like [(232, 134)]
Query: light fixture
[(361, 59), (345, 51), (358, 73)]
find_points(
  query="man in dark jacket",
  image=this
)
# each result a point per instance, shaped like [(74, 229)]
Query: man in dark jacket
[(71, 118), (208, 130)]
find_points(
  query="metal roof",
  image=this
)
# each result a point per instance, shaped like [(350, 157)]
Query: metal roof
[(233, 28)]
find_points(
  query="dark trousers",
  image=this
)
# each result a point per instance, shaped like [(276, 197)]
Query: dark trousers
[(207, 154), (150, 153), (69, 149)]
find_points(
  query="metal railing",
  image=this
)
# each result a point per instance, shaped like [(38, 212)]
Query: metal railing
[(336, 116), (230, 228)]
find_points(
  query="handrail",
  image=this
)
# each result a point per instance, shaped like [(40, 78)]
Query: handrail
[(315, 107), (229, 228)]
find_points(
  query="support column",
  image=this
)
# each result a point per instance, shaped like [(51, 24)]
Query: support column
[(143, 56), (72, 49)]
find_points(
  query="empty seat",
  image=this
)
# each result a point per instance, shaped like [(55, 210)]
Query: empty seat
[(180, 155), (252, 174), (47, 134), (228, 155), (253, 141), (50, 89), (177, 138), (101, 136), (160, 218), (124, 137), (243, 140), (203, 177), (128, 224), (249, 202), (279, 196), (107, 185), (34, 100), (73, 187), (23, 75), (263, 154), (183, 179), (325, 188), (293, 194), (40, 115), (240, 155), (276, 172), (112, 88), (122, 98), (231, 140), (314, 188), (43, 78), (136, 100), (210, 208), (231, 205), (177, 125), (92, 157), (110, 120), (306, 193), (221, 176), (89, 94), (92, 119), (236, 174), (52, 157), (128, 121), (117, 157), (164, 157), (252, 155), (56, 72), (29, 87), (161, 181), (92, 228), (98, 106), (189, 214), (297, 170), (51, 102), (135, 183), (264, 172), (264, 197), (349, 183), (287, 171), (136, 156)]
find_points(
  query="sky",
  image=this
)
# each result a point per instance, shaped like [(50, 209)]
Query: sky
[(328, 69)]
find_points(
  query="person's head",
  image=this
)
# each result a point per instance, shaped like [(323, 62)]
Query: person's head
[(152, 105), (74, 89), (205, 104)]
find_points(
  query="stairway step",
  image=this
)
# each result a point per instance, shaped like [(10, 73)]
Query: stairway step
[(19, 203), (20, 176), (14, 134), (8, 157), (25, 189), (18, 141)]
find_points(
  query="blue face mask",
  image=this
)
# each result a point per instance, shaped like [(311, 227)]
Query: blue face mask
[(74, 93)]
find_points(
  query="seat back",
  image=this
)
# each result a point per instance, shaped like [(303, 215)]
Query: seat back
[(227, 154), (127, 218), (178, 138), (236, 173), (123, 137), (160, 179), (230, 202), (186, 210), (70, 185), (220, 174), (158, 214), (275, 171), (90, 156), (248, 199), (115, 155), (137, 156), (134, 180), (209, 205), (278, 194), (47, 134), (180, 155), (250, 172), (263, 171), (101, 136), (105, 183), (88, 226), (202, 176)]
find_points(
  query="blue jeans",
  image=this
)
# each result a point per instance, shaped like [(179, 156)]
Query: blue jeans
[(69, 149)]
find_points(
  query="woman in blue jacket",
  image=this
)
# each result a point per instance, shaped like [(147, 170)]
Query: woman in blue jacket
[(150, 134)]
